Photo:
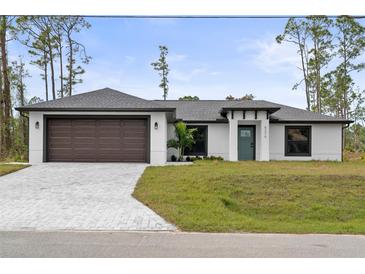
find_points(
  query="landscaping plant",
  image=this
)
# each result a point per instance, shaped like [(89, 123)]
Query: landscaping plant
[(184, 139)]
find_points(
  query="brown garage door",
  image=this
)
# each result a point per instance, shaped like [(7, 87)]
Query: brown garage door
[(96, 140)]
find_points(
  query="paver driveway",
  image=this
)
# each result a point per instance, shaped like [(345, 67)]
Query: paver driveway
[(78, 196)]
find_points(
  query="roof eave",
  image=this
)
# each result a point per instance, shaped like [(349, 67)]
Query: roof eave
[(25, 109), (270, 110), (216, 121), (311, 121)]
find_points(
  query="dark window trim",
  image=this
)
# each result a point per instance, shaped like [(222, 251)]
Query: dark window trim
[(46, 117), (206, 141), (309, 154)]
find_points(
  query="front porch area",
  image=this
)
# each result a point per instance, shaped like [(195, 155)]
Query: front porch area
[(248, 135)]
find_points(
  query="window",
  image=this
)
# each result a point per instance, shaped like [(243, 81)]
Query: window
[(201, 142), (297, 141)]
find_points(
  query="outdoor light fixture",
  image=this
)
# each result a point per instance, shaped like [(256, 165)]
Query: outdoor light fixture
[(37, 125), (156, 125)]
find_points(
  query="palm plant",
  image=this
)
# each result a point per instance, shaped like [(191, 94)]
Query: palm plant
[(185, 139)]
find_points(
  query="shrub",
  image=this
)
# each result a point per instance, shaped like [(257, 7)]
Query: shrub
[(196, 158), (173, 158), (212, 158)]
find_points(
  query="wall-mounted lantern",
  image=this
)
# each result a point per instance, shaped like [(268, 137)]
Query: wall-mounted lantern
[(37, 125), (156, 125)]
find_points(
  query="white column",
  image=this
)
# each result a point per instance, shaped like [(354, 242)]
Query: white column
[(233, 142), (35, 137), (158, 140), (265, 140)]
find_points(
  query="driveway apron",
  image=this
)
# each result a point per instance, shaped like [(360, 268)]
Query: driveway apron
[(75, 196)]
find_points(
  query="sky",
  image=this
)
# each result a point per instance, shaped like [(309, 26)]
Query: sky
[(208, 57)]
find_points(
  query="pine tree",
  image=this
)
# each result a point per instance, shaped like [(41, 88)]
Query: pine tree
[(162, 67), (296, 32), (319, 55), (5, 95), (18, 76), (351, 44), (70, 26)]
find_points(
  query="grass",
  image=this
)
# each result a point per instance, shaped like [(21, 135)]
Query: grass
[(283, 197), (9, 168)]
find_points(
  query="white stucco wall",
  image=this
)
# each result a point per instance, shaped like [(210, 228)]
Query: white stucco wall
[(326, 142), (158, 137), (35, 138), (217, 139), (222, 138)]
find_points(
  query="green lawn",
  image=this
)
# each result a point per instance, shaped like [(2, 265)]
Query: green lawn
[(293, 197), (8, 168)]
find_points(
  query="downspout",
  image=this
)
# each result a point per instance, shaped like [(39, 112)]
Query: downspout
[(342, 139)]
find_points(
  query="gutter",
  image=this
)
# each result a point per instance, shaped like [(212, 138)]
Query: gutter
[(20, 109), (311, 121)]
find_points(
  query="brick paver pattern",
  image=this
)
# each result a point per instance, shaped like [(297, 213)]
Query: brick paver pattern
[(75, 196)]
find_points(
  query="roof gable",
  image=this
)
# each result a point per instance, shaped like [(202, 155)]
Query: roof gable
[(102, 99)]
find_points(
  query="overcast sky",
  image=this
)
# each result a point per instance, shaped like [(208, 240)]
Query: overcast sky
[(209, 58)]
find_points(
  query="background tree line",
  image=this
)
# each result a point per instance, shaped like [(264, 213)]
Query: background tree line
[(52, 47), (330, 53), (329, 50)]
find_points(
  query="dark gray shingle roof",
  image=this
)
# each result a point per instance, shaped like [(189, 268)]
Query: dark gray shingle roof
[(102, 99), (209, 110), (203, 110), (287, 113)]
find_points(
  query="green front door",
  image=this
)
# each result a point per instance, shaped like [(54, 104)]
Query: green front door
[(246, 143)]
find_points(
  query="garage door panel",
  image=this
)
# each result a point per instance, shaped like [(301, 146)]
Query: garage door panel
[(97, 140), (81, 139), (109, 134), (134, 158), (83, 122), (55, 145), (60, 133), (60, 155), (60, 122), (135, 134)]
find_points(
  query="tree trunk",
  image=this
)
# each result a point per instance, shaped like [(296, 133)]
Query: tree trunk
[(304, 72), (1, 110), (345, 89), (52, 67), (70, 64), (45, 73), (6, 86), (318, 78), (61, 66), (23, 126)]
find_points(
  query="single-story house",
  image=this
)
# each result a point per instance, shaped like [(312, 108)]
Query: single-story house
[(110, 126)]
